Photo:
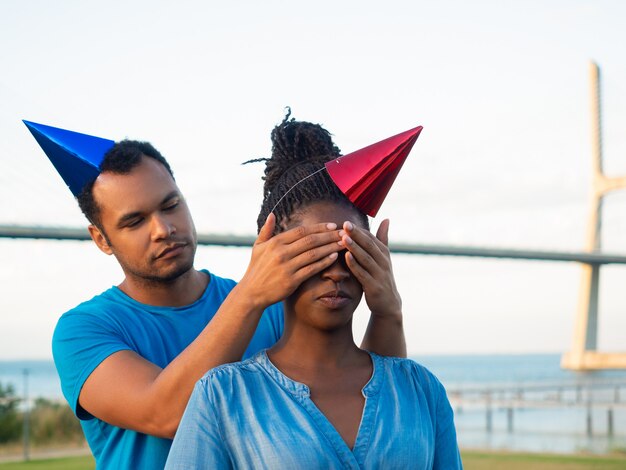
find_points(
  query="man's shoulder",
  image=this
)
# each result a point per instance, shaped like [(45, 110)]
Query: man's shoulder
[(218, 279), (224, 285), (110, 298), (113, 299), (88, 315), (219, 287)]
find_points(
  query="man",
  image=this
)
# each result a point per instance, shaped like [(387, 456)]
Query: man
[(129, 358)]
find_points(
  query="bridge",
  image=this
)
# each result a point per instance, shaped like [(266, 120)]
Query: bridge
[(216, 239)]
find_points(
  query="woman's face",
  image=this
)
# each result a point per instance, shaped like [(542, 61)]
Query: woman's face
[(327, 300)]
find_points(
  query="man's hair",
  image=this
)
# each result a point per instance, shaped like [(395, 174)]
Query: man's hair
[(292, 179), (120, 159)]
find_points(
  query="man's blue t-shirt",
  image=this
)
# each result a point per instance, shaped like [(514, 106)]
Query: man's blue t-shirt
[(111, 322)]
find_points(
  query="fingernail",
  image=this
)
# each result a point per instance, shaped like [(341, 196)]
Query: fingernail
[(331, 226), (342, 233), (341, 243), (348, 225), (348, 240), (333, 255)]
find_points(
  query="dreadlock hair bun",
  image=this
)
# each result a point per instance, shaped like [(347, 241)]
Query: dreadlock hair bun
[(296, 142), (292, 174)]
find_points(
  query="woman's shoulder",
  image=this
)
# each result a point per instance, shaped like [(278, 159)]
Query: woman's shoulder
[(233, 371), (403, 369), (402, 363)]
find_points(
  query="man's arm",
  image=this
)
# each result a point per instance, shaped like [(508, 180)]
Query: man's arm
[(369, 260), (128, 391)]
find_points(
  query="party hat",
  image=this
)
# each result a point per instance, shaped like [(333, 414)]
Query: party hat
[(75, 156), (365, 176)]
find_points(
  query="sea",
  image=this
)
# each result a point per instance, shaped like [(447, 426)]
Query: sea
[(575, 421)]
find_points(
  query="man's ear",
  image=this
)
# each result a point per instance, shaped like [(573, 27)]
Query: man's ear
[(99, 239)]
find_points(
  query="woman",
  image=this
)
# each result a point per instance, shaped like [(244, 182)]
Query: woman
[(315, 400)]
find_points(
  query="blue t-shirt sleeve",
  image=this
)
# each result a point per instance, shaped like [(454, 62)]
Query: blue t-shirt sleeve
[(81, 341), (198, 442), (276, 320), (268, 332)]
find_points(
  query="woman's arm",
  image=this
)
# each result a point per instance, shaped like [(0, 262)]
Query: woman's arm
[(447, 455)]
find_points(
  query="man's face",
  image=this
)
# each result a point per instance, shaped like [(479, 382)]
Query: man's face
[(147, 222)]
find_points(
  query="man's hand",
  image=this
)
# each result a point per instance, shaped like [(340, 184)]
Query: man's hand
[(279, 264)]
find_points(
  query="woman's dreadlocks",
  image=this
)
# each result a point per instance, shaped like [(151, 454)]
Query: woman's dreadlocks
[(299, 149)]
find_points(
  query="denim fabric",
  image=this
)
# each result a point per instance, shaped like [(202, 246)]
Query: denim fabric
[(249, 415)]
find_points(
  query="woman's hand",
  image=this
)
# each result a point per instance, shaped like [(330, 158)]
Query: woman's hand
[(369, 260)]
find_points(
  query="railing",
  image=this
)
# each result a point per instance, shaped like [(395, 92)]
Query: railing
[(606, 395)]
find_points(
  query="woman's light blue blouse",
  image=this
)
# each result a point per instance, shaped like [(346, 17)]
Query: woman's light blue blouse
[(250, 415)]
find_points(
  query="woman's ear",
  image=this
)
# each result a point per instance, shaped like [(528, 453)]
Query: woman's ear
[(383, 232)]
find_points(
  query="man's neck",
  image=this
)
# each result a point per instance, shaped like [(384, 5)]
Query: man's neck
[(184, 290)]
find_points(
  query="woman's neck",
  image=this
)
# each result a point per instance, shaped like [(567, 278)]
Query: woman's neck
[(305, 350)]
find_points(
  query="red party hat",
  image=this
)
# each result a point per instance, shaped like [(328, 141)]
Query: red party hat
[(365, 176)]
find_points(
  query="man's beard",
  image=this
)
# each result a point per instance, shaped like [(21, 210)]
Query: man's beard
[(154, 278), (166, 278)]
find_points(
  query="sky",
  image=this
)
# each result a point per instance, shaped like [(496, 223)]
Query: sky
[(501, 88)]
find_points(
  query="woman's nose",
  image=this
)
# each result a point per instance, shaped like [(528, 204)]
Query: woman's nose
[(338, 271)]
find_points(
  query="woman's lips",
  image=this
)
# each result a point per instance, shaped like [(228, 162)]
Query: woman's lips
[(335, 300)]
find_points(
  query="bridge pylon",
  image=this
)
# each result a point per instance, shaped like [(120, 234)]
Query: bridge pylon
[(584, 354)]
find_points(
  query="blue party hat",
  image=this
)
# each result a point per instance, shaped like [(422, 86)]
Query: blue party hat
[(75, 156)]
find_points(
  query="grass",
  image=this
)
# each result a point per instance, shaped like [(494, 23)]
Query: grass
[(472, 460), (85, 462), (476, 460)]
